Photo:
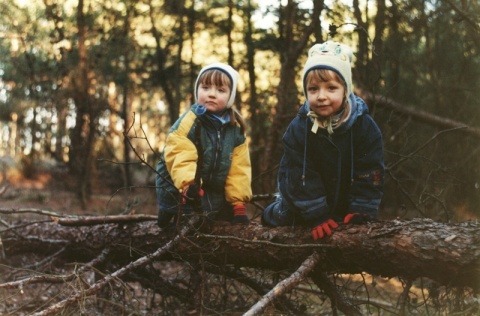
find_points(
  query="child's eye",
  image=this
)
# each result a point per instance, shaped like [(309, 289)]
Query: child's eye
[(334, 87), (222, 89), (312, 89)]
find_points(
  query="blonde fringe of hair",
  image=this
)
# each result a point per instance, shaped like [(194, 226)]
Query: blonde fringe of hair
[(219, 78)]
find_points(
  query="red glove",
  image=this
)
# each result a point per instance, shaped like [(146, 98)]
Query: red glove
[(324, 228), (192, 194), (240, 214), (357, 218)]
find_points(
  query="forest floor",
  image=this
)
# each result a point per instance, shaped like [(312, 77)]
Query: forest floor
[(55, 190)]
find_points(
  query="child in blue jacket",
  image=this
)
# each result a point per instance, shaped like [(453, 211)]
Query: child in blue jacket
[(205, 165), (332, 168)]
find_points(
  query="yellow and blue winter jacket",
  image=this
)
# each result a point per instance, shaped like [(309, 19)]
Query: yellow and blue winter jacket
[(225, 171)]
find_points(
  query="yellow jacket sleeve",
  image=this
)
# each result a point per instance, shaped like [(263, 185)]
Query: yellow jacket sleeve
[(238, 188), (180, 154)]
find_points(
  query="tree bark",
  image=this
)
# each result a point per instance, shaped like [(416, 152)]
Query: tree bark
[(293, 44), (82, 135), (448, 254)]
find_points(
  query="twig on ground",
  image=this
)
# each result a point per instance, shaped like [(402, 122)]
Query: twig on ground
[(31, 210), (285, 285), (99, 220), (55, 278), (117, 274)]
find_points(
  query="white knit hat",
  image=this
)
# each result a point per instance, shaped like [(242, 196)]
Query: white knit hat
[(330, 55), (229, 71)]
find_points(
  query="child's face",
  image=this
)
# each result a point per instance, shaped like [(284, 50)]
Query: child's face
[(325, 96), (213, 97)]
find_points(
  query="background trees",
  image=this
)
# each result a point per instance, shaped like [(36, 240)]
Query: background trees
[(76, 75), (94, 86)]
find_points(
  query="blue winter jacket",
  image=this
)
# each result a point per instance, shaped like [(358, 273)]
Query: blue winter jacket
[(327, 176)]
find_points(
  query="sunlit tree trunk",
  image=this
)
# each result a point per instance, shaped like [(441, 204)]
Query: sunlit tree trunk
[(177, 75), (293, 46), (191, 34), (363, 39), (125, 113), (257, 115), (33, 155), (83, 134), (229, 34), (14, 139), (374, 71), (161, 58), (395, 47)]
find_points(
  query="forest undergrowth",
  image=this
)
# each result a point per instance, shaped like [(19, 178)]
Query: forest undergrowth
[(52, 190)]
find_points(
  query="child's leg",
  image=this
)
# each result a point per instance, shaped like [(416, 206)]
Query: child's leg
[(277, 213), (168, 209), (164, 219)]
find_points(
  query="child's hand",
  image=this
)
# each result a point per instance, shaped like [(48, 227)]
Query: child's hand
[(192, 194), (323, 229), (358, 218), (240, 214)]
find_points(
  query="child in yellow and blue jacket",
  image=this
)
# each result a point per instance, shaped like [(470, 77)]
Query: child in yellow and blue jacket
[(205, 164)]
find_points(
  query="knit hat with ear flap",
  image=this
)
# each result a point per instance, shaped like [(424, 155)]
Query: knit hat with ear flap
[(229, 71), (330, 55)]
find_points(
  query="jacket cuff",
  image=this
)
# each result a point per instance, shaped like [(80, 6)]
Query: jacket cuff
[(311, 210), (317, 221), (365, 206)]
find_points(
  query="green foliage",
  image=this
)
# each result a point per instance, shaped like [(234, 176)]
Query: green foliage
[(144, 54), (430, 63), (142, 58)]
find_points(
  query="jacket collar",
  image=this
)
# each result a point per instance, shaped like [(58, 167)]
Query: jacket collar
[(357, 105)]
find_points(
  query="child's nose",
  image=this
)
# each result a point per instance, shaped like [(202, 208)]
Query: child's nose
[(321, 93), (212, 92)]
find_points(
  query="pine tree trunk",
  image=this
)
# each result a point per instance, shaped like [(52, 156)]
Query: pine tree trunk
[(446, 253)]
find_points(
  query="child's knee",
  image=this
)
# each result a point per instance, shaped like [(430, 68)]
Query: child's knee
[(276, 214)]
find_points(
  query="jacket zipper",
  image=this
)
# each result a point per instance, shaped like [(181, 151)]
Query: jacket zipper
[(217, 151)]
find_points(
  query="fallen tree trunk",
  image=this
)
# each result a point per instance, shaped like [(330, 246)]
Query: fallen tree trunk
[(445, 253)]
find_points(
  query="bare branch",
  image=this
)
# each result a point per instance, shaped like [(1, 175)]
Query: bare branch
[(55, 278), (117, 274), (99, 220), (31, 211), (418, 115), (264, 242), (470, 19), (285, 285)]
